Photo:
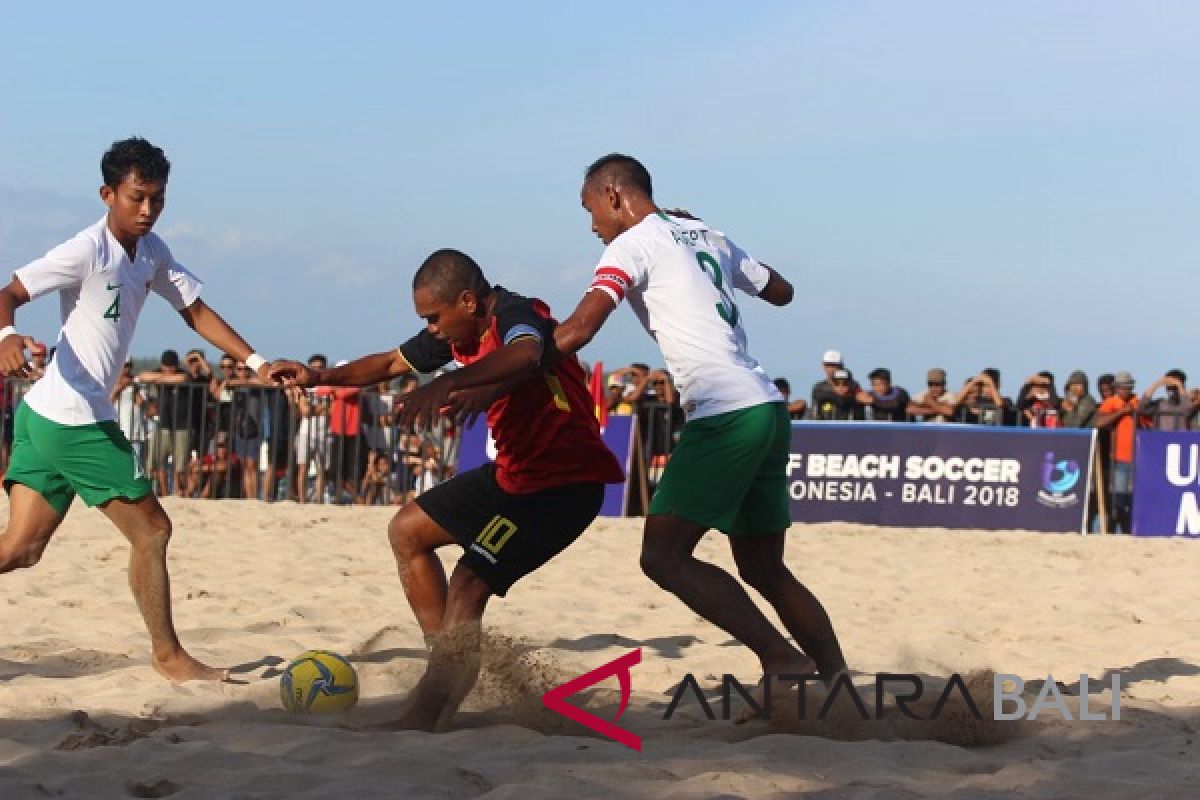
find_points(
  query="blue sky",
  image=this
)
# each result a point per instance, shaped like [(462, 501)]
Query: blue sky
[(959, 184)]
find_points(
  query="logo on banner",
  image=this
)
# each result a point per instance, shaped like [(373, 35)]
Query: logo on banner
[(1059, 479)]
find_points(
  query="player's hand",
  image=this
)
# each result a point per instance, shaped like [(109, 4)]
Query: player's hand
[(289, 373), (14, 360), (422, 405), (465, 405)]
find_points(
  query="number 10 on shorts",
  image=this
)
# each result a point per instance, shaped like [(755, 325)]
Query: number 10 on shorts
[(496, 534)]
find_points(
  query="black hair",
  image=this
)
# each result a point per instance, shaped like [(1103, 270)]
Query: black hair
[(641, 366), (169, 358), (1178, 373), (782, 385), (883, 373), (1107, 378), (447, 273), (625, 171), (317, 357), (135, 155), (994, 374)]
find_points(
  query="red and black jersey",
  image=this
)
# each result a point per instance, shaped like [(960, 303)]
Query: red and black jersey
[(545, 430)]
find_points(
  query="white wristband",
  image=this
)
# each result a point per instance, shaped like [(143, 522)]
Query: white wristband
[(7, 332), (254, 361)]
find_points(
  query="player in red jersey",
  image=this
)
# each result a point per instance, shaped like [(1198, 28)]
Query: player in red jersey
[(511, 517)]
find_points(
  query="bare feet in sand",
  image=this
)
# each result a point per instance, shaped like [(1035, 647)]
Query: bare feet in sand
[(780, 694), (181, 667)]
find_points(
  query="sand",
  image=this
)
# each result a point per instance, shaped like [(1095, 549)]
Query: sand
[(83, 715)]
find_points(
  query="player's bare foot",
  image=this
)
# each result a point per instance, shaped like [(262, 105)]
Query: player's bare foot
[(422, 714), (780, 690), (182, 667)]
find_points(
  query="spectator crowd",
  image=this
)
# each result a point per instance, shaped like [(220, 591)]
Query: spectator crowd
[(207, 432), (220, 432)]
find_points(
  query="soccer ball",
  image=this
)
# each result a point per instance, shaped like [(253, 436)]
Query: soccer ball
[(318, 682)]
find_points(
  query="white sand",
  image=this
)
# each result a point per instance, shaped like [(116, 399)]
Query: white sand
[(253, 581)]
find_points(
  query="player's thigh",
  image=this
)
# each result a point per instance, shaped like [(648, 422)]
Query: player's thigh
[(413, 532), (142, 520), (507, 536), (99, 463), (765, 509), (714, 465)]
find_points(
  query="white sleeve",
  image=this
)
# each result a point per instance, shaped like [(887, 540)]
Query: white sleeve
[(748, 275), (172, 281), (63, 267), (619, 270)]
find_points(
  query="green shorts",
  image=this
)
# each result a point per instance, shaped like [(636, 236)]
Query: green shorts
[(57, 461), (729, 472)]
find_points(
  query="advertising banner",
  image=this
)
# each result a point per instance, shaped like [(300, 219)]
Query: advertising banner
[(478, 448), (951, 476), (1166, 480)]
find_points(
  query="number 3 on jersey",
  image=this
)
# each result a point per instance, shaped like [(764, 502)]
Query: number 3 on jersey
[(726, 308)]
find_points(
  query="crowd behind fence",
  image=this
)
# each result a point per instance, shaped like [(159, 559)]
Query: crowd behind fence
[(331, 445), (216, 433)]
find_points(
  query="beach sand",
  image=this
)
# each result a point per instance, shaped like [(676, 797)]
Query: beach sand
[(83, 715)]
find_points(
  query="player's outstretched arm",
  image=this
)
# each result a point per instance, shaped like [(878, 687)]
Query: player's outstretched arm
[(363, 371), (584, 323), (778, 291), (217, 332)]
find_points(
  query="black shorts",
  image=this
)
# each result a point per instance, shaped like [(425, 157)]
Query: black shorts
[(507, 536)]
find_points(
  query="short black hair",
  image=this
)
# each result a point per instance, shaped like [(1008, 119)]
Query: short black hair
[(1107, 379), (994, 374), (449, 272), (1179, 374), (782, 385), (883, 373), (169, 358), (624, 171), (641, 366), (134, 155), (317, 357)]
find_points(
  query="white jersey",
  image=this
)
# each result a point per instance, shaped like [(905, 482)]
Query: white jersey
[(679, 276), (102, 293)]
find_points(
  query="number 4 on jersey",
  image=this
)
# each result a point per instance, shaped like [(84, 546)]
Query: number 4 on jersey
[(114, 310)]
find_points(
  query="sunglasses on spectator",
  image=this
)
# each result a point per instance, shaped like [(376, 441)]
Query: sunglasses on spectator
[(935, 383), (241, 368), (227, 365)]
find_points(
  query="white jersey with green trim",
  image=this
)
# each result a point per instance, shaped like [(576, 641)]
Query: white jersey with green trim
[(679, 276), (101, 291)]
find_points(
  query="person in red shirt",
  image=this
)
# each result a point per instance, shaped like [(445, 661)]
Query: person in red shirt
[(1119, 414), (347, 450), (511, 516)]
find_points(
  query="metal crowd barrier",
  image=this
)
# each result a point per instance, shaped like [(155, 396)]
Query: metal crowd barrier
[(337, 446)]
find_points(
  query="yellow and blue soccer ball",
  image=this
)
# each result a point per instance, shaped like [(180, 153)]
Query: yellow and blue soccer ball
[(318, 682)]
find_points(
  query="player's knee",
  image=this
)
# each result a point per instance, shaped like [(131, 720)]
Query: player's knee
[(402, 536), (658, 565), (155, 531)]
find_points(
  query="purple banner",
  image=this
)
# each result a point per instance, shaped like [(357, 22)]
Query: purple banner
[(951, 476), (1166, 481), (477, 448)]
